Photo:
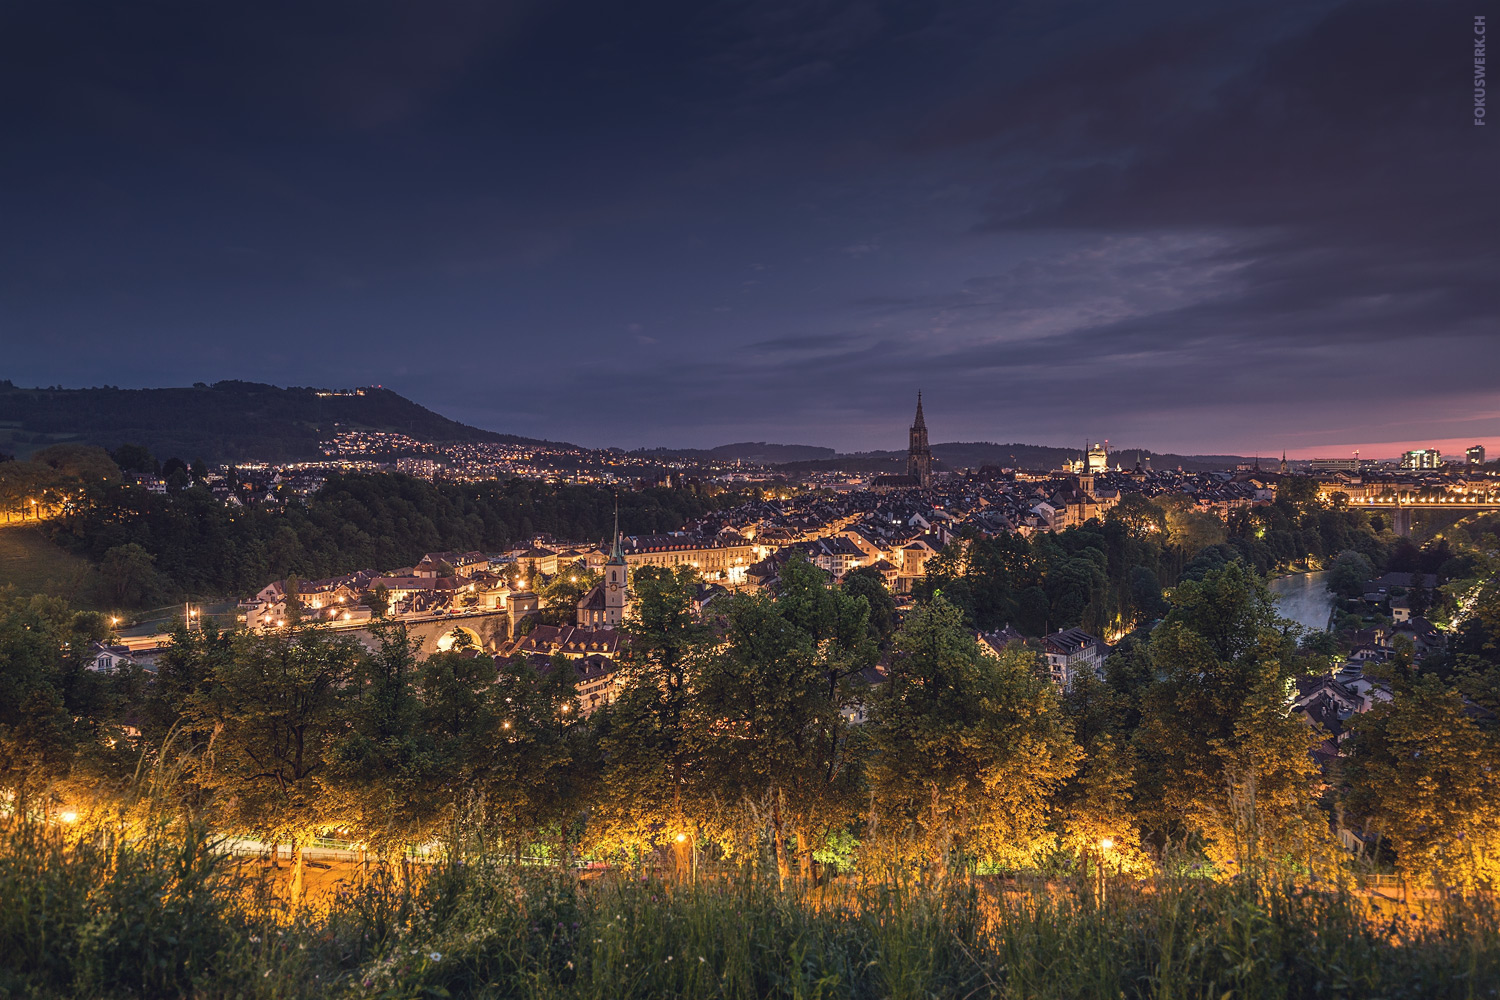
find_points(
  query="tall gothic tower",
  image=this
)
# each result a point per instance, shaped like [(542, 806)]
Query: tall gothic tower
[(918, 455), (616, 580)]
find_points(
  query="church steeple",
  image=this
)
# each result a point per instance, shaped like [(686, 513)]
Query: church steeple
[(616, 554), (918, 454), (616, 580)]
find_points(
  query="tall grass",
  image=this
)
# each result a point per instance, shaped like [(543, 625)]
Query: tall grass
[(164, 915)]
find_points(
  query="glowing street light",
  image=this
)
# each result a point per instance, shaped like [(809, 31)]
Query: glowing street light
[(70, 817)]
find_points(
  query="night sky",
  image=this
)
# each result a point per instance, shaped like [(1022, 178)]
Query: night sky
[(1190, 226)]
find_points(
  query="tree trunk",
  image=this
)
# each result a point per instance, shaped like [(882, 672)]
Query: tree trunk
[(778, 833), (804, 855), (296, 873)]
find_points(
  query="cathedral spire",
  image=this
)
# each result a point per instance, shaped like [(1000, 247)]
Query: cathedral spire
[(918, 454)]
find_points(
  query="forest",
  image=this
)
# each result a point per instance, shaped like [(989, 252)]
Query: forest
[(188, 542), (803, 731)]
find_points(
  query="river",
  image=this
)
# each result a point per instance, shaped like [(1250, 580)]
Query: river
[(1304, 598)]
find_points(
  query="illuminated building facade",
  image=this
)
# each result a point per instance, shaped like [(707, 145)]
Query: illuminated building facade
[(1422, 458)]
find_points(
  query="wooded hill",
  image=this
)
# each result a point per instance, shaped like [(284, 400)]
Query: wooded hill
[(228, 421)]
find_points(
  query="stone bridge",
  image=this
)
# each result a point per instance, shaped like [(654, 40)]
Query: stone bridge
[(1401, 513), (488, 630)]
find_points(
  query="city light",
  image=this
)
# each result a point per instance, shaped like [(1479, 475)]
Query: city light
[(68, 817), (1107, 843)]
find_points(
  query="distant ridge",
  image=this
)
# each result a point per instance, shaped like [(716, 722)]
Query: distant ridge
[(234, 421), (754, 452), (976, 454), (228, 421)]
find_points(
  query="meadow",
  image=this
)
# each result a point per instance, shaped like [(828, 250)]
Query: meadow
[(34, 564), (165, 914)]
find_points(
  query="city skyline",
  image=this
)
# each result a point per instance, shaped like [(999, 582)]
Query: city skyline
[(689, 226)]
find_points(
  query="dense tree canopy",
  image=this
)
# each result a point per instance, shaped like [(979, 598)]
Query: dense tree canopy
[(199, 546)]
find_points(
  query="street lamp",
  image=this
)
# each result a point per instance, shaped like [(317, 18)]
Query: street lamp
[(1105, 844)]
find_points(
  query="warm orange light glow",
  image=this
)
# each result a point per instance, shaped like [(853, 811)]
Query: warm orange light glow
[(68, 817), (681, 838), (1107, 843)]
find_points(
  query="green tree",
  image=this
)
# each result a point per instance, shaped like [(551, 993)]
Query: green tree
[(1096, 809), (1217, 745), (184, 672), (382, 762), (1145, 595), (867, 583), (60, 723), (651, 789), (1424, 773), (134, 458), (1139, 514), (293, 600), (129, 574), (968, 748), (1192, 530), (274, 707), (787, 754), (378, 601), (562, 593), (1350, 572), (537, 761), (460, 717)]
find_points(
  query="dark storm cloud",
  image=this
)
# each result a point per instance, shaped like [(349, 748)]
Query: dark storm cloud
[(1189, 226)]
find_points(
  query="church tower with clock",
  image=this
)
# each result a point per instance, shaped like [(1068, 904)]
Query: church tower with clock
[(616, 582), (605, 604)]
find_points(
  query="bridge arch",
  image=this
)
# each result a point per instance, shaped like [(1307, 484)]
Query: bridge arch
[(455, 636)]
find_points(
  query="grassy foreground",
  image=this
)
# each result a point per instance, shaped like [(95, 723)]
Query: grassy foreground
[(169, 917)]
